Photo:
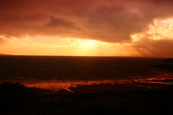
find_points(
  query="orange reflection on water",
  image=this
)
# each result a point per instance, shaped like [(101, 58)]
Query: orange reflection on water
[(58, 85)]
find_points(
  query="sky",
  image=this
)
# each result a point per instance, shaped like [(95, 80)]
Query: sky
[(87, 27)]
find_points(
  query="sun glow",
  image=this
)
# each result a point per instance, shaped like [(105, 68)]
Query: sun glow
[(87, 43), (55, 45)]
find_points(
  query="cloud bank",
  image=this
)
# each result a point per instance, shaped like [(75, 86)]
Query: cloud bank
[(111, 21)]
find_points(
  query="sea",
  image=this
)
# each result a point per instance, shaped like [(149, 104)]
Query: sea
[(62, 72)]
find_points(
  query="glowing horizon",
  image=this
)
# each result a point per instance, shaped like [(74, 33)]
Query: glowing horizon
[(41, 45)]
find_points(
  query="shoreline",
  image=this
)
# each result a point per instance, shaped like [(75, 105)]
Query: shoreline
[(118, 99)]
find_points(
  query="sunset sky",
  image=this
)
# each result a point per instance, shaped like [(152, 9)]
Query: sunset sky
[(87, 27)]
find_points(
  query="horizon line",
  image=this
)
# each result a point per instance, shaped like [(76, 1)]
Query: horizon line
[(81, 56)]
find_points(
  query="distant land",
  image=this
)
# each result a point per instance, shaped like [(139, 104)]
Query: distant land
[(83, 56), (6, 55)]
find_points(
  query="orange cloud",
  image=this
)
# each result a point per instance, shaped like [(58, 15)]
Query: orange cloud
[(111, 21), (115, 22), (157, 41)]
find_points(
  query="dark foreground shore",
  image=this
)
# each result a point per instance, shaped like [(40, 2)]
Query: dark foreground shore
[(136, 98), (117, 99)]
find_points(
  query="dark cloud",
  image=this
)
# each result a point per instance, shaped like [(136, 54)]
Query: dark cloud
[(105, 20), (60, 23), (155, 48), (117, 23)]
